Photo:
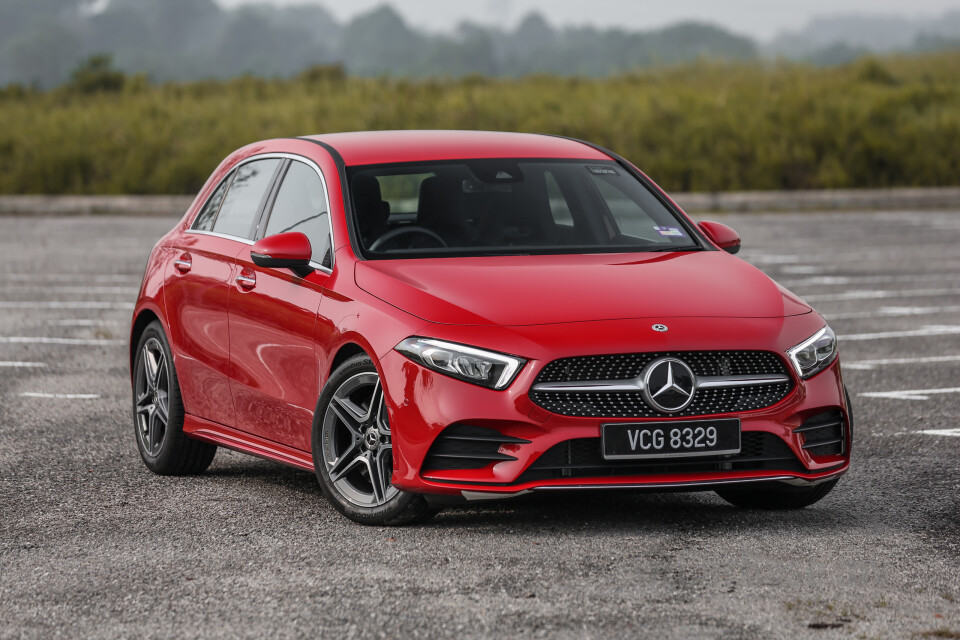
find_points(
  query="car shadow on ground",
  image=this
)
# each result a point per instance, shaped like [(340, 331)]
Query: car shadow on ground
[(609, 510), (631, 510)]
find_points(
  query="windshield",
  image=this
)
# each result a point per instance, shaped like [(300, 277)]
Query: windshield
[(508, 207)]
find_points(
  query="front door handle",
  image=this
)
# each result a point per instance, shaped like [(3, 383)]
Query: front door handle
[(246, 281), (184, 263)]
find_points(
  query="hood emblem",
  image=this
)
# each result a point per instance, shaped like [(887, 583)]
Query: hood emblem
[(668, 385), (659, 327)]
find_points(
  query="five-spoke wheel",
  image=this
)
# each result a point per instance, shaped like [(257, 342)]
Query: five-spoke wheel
[(356, 441), (158, 410), (152, 397), (353, 450)]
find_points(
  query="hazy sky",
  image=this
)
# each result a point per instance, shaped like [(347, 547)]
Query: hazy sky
[(758, 18)]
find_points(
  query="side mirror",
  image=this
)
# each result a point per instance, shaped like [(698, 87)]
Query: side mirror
[(290, 250), (721, 235)]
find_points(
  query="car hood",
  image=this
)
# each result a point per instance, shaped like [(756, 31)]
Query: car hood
[(530, 290)]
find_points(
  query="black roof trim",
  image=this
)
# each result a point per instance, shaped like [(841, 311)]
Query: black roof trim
[(347, 195)]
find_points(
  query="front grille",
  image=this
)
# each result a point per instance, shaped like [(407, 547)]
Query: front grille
[(630, 404), (463, 446), (824, 433), (583, 458)]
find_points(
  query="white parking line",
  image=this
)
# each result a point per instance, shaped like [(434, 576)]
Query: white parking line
[(60, 304), (77, 322), (941, 432), (68, 341), (800, 269), (929, 330), (894, 311), (840, 280), (66, 277), (26, 365), (130, 291), (774, 258), (61, 396), (876, 294), (913, 394), (870, 364)]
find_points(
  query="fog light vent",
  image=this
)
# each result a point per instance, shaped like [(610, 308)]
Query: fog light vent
[(824, 434), (463, 446)]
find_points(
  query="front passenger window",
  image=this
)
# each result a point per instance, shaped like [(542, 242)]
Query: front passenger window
[(301, 205), (242, 202)]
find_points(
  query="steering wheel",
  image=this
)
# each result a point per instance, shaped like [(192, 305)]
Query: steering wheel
[(402, 231)]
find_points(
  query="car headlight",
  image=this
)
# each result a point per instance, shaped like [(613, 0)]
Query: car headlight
[(486, 368), (814, 354)]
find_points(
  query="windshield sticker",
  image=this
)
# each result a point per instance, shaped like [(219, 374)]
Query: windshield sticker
[(602, 171), (670, 231)]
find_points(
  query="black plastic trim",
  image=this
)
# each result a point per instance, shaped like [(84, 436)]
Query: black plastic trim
[(501, 439), (464, 456), (815, 427), (814, 445), (267, 210), (345, 196)]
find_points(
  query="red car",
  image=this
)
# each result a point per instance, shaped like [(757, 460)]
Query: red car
[(429, 317)]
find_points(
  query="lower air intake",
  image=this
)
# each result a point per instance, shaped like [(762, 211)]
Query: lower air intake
[(824, 434), (463, 446), (583, 458)]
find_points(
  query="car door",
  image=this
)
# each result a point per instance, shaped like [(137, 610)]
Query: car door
[(199, 286), (273, 316)]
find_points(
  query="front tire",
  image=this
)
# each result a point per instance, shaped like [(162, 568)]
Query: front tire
[(353, 450), (158, 411), (775, 495)]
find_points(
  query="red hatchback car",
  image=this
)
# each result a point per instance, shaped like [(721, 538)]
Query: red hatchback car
[(429, 317)]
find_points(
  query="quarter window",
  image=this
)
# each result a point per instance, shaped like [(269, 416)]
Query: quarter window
[(243, 199), (204, 221), (301, 205)]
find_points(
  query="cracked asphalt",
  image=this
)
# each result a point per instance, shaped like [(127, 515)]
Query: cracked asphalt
[(92, 545)]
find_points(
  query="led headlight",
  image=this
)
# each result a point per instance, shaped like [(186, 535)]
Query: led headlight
[(486, 368), (814, 354)]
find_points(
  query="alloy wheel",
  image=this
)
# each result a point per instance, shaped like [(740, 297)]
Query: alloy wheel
[(152, 397), (357, 450)]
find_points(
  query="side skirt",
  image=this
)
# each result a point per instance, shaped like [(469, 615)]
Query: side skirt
[(217, 434)]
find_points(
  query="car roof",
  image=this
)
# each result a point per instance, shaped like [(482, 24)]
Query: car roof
[(389, 147)]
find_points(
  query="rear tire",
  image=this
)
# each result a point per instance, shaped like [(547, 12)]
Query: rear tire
[(775, 495), (158, 411), (353, 450)]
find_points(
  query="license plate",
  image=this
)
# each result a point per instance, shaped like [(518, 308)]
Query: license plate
[(671, 439)]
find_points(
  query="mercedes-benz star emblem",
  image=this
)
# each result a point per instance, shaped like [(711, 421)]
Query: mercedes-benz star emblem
[(668, 385), (660, 327)]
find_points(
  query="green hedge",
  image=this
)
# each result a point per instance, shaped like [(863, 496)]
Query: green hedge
[(700, 127)]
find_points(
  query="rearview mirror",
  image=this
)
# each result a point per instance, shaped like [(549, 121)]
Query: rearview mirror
[(290, 250), (721, 235)]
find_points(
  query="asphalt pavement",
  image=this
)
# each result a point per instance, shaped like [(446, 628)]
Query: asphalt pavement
[(92, 545)]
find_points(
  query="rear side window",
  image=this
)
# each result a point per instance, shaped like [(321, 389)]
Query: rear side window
[(301, 205), (242, 202), (204, 221)]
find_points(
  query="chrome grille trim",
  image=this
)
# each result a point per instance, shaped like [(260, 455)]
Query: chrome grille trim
[(613, 385), (636, 384)]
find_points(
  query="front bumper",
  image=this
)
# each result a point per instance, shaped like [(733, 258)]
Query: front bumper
[(423, 403)]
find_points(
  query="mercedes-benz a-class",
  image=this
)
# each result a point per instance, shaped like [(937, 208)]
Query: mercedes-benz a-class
[(428, 317)]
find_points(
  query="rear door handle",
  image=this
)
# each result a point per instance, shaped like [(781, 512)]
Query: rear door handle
[(184, 263), (246, 282)]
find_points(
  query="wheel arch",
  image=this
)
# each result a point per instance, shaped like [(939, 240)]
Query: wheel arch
[(344, 353), (141, 321)]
